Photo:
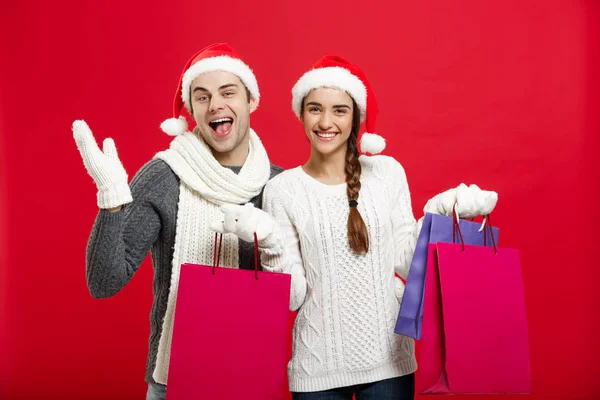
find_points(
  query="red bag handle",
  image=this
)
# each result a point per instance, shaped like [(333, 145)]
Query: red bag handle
[(217, 253), (489, 225), (462, 241), (485, 222)]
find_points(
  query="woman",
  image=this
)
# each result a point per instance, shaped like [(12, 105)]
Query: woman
[(344, 226)]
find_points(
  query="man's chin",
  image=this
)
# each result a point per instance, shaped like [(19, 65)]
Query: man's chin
[(216, 140), (222, 145)]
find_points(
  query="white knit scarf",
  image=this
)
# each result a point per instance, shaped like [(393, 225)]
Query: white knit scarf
[(205, 186)]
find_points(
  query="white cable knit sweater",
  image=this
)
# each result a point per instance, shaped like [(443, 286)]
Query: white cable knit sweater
[(348, 303)]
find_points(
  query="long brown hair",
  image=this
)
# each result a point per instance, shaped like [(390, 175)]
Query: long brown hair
[(358, 235)]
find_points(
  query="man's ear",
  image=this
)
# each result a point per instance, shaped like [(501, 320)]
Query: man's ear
[(253, 104)]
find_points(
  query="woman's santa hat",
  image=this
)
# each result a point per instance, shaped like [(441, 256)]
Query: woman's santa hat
[(338, 73), (216, 57)]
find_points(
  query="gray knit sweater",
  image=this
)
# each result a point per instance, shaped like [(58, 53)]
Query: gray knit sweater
[(120, 241)]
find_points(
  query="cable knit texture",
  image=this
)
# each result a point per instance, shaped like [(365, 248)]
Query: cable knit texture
[(348, 303)]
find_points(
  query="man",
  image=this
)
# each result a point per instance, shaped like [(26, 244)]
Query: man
[(175, 197)]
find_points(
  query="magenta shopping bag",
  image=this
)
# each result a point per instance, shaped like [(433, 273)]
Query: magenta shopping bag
[(475, 334), (230, 334)]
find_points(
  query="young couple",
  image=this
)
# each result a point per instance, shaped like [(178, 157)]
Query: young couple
[(341, 224)]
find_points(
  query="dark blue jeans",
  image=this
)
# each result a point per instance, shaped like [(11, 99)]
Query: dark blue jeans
[(401, 388), (156, 391)]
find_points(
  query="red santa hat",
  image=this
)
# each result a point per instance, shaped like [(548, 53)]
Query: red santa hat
[(216, 57), (337, 73)]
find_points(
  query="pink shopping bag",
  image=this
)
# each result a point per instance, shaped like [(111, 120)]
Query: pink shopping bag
[(475, 336), (229, 334)]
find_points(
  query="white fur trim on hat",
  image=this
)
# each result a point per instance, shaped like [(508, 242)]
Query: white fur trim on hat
[(330, 77), (220, 63), (372, 143), (174, 126)]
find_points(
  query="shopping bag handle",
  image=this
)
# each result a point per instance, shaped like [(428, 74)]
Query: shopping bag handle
[(484, 224), (487, 224), (217, 253), (472, 218)]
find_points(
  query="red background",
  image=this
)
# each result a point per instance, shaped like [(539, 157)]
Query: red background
[(505, 95)]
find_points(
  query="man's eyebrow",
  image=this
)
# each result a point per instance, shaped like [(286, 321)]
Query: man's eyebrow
[(199, 88)]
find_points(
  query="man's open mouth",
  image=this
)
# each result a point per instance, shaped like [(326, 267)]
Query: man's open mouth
[(221, 126)]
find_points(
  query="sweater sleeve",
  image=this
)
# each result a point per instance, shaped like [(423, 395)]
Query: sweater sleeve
[(405, 228), (282, 252), (120, 241)]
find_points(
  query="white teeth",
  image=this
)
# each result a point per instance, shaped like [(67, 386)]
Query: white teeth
[(221, 120), (326, 135)]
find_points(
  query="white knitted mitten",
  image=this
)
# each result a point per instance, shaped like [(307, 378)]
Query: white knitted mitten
[(470, 201), (243, 221), (103, 166)]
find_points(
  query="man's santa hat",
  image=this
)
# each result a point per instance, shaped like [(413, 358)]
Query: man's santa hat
[(337, 73), (216, 57)]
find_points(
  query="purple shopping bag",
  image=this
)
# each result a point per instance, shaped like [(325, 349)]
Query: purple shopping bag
[(436, 228)]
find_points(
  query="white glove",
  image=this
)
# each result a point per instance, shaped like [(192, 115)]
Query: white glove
[(244, 221), (104, 167), (470, 202)]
